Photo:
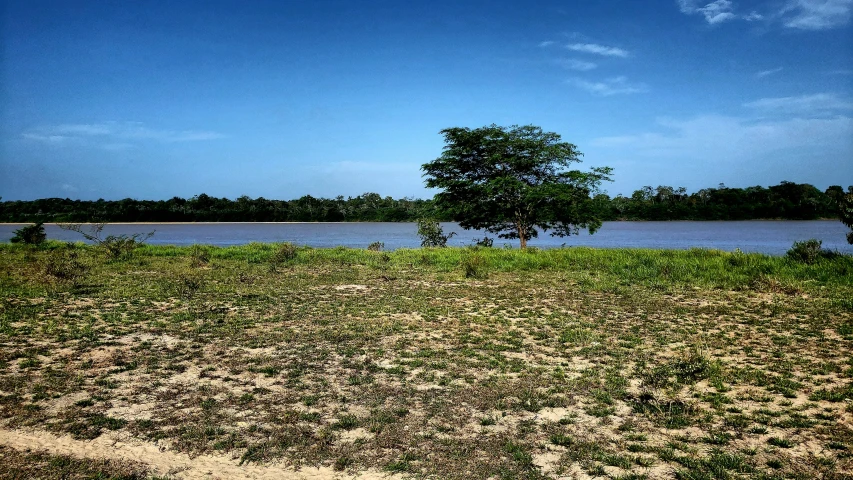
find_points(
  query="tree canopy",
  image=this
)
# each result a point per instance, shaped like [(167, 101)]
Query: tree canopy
[(510, 181)]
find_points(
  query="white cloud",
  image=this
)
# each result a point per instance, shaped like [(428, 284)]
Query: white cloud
[(798, 14), (816, 14), (715, 12), (688, 6), (718, 11), (716, 138), (597, 49), (115, 133), (546, 43), (808, 105), (610, 86), (575, 64), (765, 73)]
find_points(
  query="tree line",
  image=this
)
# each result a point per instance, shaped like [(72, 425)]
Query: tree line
[(787, 200)]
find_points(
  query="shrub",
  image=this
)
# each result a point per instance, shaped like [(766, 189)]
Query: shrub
[(116, 246), (431, 233), (474, 265), (65, 266), (808, 251), (285, 252), (188, 284), (199, 256), (376, 246), (30, 235), (485, 242)]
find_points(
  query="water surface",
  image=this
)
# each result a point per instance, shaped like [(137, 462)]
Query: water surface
[(763, 236)]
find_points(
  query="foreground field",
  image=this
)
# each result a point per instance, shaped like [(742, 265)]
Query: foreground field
[(267, 362)]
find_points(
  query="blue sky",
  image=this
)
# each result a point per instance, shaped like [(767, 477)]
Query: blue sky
[(153, 99)]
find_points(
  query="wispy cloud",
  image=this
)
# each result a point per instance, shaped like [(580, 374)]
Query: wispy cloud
[(816, 14), (715, 12), (44, 137), (803, 105), (765, 73), (575, 64), (735, 139), (597, 49), (114, 135), (546, 43), (610, 86), (797, 14)]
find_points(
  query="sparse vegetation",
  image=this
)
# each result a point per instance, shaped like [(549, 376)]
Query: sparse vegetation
[(442, 363), (116, 247)]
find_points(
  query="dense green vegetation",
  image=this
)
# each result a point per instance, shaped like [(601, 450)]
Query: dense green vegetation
[(452, 363), (513, 182), (784, 201)]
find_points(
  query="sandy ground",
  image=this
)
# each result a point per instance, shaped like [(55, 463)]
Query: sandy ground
[(178, 465)]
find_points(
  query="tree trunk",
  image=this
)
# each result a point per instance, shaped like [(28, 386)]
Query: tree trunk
[(523, 242)]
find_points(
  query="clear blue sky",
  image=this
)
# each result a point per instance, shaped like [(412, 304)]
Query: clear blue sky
[(153, 99)]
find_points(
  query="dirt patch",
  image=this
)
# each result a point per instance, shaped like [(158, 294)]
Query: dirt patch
[(178, 465)]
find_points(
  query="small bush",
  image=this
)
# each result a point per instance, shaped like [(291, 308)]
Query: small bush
[(474, 266), (431, 233), (117, 247), (188, 284), (286, 252), (30, 235), (199, 256), (484, 242), (65, 266), (376, 246), (808, 251)]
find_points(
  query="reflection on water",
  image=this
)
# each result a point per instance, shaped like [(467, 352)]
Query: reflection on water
[(771, 237)]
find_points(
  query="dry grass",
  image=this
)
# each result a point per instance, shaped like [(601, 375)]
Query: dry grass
[(401, 363)]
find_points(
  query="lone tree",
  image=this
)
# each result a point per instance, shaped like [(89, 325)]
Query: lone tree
[(512, 180)]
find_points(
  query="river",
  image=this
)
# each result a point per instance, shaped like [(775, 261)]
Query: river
[(763, 236)]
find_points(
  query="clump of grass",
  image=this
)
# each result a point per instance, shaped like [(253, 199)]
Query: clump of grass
[(346, 422), (780, 442), (284, 254), (474, 265), (188, 284), (65, 265), (343, 462), (199, 255), (810, 252)]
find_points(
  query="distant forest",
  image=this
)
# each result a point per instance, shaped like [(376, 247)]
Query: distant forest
[(787, 200)]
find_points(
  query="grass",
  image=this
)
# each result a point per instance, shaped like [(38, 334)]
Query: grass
[(442, 363)]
